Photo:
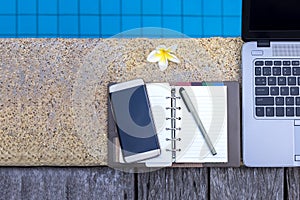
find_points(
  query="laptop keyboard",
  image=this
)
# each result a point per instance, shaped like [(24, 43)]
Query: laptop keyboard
[(277, 88)]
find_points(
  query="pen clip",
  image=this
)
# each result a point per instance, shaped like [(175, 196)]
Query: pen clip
[(181, 90)]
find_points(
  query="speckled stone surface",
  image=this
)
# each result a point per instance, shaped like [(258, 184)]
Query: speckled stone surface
[(53, 92)]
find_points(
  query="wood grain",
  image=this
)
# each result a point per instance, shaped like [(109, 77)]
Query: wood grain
[(173, 183), (169, 183), (293, 183), (65, 183), (246, 183)]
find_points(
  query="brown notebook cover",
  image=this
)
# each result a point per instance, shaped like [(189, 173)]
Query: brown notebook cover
[(234, 147)]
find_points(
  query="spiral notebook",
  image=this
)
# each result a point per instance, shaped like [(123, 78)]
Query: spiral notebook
[(180, 139)]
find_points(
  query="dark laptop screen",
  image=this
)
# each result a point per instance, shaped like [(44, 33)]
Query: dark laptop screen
[(271, 19), (275, 15)]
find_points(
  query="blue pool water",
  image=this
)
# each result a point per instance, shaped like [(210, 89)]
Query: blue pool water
[(105, 18)]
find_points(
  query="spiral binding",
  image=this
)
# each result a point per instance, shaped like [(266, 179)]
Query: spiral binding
[(173, 108), (170, 129), (176, 139), (173, 150), (173, 97), (173, 127), (178, 118)]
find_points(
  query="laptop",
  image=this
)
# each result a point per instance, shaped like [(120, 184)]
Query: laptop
[(271, 82)]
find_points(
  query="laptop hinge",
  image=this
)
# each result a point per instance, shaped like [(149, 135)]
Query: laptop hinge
[(263, 43)]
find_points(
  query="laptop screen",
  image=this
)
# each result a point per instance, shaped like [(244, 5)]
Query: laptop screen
[(271, 19)]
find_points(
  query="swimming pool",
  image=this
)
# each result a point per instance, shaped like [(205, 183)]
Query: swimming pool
[(105, 18)]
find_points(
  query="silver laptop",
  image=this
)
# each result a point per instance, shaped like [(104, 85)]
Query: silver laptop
[(271, 82)]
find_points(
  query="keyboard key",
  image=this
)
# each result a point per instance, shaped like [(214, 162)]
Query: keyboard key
[(286, 71), (259, 63), (298, 80), (289, 101), (264, 101), (297, 101), (271, 80), (268, 63), (266, 71), (279, 101), (269, 111), (281, 81), (257, 71), (295, 62), (289, 111), (284, 90), (294, 91), (277, 63), (274, 90), (262, 91), (276, 71), (260, 81), (296, 70), (297, 111), (260, 111), (279, 111), (291, 80), (286, 62)]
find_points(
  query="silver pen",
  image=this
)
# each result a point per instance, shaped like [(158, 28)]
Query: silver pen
[(190, 107)]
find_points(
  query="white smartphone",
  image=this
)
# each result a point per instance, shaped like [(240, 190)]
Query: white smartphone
[(133, 117)]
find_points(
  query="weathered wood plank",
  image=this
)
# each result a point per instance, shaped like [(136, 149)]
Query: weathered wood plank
[(65, 183), (246, 183), (173, 183), (293, 183)]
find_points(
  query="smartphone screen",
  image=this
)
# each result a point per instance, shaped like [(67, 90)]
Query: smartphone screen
[(134, 121)]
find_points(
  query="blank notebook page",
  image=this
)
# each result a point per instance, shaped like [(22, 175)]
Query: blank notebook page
[(211, 105), (157, 93)]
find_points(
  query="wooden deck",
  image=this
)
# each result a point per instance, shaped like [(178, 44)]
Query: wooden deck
[(176, 183)]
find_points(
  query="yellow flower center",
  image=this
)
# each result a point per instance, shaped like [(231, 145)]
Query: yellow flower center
[(164, 54)]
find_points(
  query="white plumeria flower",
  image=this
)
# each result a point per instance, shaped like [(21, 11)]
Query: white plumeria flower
[(162, 54)]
